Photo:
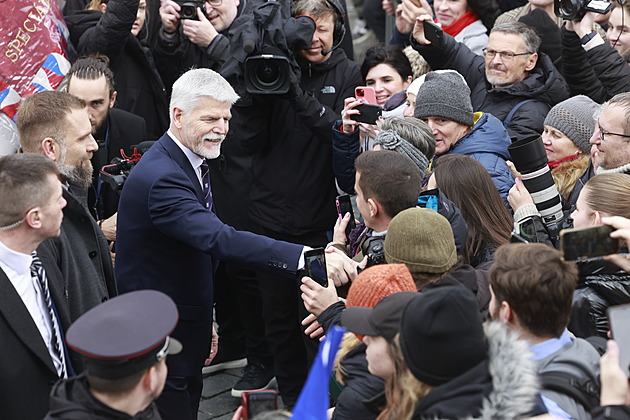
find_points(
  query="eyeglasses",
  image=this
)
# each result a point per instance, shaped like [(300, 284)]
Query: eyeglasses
[(503, 55), (603, 133), (214, 3)]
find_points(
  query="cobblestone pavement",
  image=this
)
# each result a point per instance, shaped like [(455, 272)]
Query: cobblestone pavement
[(216, 401)]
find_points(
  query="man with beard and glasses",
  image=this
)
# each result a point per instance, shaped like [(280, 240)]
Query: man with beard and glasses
[(513, 81), (170, 239), (91, 79), (57, 125)]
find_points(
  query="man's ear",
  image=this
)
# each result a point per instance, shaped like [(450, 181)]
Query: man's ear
[(113, 99), (33, 219), (374, 207), (51, 149), (506, 313), (177, 117), (531, 61)]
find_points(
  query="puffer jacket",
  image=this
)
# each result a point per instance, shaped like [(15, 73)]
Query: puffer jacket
[(601, 285), (509, 392), (599, 73), (544, 84), (487, 143)]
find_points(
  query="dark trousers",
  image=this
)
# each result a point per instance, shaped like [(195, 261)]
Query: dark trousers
[(238, 309), (180, 397), (283, 311)]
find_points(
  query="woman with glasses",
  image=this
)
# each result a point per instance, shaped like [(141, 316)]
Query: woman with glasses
[(118, 29)]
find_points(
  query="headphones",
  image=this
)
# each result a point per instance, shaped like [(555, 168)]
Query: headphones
[(340, 28)]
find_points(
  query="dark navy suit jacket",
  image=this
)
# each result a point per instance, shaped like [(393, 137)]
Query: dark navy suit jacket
[(167, 240)]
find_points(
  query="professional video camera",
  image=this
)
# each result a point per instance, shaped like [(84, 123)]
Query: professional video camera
[(263, 44), (188, 8), (576, 9), (115, 174), (530, 159)]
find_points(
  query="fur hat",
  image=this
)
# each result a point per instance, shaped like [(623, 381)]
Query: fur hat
[(421, 239), (441, 334), (574, 119), (445, 95)]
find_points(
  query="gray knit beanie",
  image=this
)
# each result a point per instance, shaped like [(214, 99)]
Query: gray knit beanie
[(421, 239), (390, 140), (574, 119), (445, 95)]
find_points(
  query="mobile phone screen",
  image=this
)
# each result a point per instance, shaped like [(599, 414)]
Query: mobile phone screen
[(619, 319), (584, 243), (315, 265), (344, 205)]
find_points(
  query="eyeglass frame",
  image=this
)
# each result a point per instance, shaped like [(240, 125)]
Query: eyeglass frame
[(503, 55), (214, 3), (602, 133)]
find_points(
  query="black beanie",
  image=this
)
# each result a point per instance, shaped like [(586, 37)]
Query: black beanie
[(441, 334)]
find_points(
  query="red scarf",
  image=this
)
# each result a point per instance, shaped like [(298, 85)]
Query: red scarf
[(464, 20), (554, 165)]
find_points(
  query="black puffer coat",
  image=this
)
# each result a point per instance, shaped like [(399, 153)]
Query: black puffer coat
[(601, 285), (545, 84), (599, 73), (139, 86)]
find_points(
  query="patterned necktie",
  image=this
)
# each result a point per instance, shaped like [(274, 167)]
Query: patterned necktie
[(37, 271), (205, 183)]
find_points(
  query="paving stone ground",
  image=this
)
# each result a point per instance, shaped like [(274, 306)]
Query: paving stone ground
[(216, 401)]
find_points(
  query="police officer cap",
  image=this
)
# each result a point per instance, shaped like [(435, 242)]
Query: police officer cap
[(126, 334)]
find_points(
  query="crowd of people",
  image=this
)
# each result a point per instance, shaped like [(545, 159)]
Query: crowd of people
[(457, 299)]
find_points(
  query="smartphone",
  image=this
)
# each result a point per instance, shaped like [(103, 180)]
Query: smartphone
[(432, 32), (366, 94), (344, 205), (584, 243), (369, 113), (315, 265), (257, 402), (619, 322)]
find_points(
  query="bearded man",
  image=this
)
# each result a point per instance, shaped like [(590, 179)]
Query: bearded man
[(57, 125)]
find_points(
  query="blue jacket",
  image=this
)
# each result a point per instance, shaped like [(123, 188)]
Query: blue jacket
[(487, 143)]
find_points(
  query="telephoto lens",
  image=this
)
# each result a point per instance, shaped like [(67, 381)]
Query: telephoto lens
[(530, 159)]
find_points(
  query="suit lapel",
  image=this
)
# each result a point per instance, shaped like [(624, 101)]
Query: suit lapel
[(20, 321), (178, 156)]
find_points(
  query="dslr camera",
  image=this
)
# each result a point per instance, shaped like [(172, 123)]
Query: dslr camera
[(188, 8), (576, 9)]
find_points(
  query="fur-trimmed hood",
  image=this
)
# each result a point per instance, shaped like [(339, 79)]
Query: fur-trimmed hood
[(514, 378)]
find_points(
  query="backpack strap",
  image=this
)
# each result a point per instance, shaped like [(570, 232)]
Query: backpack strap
[(509, 117), (583, 391)]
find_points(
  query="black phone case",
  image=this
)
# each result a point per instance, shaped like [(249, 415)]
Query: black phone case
[(432, 32), (368, 113)]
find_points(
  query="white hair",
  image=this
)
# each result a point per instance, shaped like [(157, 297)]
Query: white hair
[(196, 83)]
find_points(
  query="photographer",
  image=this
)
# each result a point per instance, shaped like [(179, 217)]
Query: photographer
[(194, 33), (592, 67)]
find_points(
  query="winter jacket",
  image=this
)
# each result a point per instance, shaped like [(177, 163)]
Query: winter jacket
[(544, 84), (580, 360), (595, 69), (474, 36), (72, 400), (601, 285), (611, 412), (508, 393), (174, 56), (293, 190), (360, 386), (487, 143), (139, 86), (475, 280)]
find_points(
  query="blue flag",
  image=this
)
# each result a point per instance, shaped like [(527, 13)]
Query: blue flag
[(313, 401)]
